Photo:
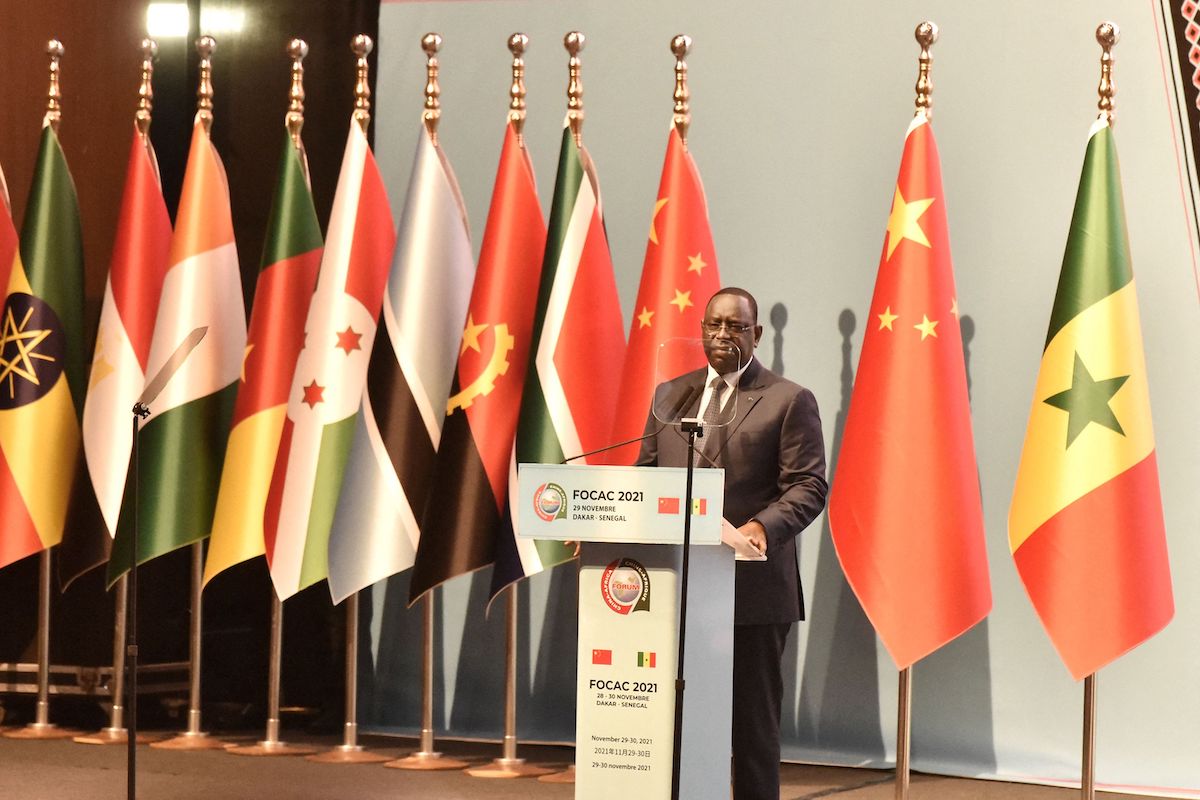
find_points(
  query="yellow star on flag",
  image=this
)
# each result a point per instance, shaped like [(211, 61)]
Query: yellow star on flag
[(954, 307), (657, 208), (682, 299), (903, 222), (696, 264), (926, 327), (644, 318), (887, 318), (470, 337)]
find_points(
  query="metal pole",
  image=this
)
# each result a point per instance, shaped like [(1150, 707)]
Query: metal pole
[(273, 671), (43, 642), (116, 720), (510, 679), (1087, 783), (193, 728), (903, 733), (350, 732)]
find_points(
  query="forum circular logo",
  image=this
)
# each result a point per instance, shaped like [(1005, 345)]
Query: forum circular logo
[(625, 586), (550, 502), (32, 350)]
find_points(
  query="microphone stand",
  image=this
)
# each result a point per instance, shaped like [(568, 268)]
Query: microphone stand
[(693, 428)]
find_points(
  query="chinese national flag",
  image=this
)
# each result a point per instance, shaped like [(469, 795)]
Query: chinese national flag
[(602, 657), (905, 509), (679, 274), (668, 505)]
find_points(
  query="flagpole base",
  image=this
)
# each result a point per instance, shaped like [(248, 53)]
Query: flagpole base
[(276, 748), (428, 762), (113, 736), (509, 768), (190, 741), (566, 776), (348, 754), (41, 730)]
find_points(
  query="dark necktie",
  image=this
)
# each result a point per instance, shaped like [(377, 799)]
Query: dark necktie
[(712, 414)]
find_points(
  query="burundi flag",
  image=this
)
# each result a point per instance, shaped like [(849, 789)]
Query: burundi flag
[(182, 445), (396, 437), (905, 510), (578, 343), (679, 274), (330, 372), (463, 515), (1086, 523), (135, 279), (288, 273), (41, 359)]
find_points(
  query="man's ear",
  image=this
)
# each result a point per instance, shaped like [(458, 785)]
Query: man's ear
[(758, 329)]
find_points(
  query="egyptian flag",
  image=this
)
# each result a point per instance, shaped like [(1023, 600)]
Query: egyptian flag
[(905, 510), (679, 274), (330, 372), (42, 357), (286, 279), (578, 345), (182, 445), (118, 376), (1086, 522), (396, 436), (470, 482)]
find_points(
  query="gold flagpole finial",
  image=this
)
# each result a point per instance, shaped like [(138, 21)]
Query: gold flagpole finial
[(54, 49), (205, 46), (145, 107), (431, 43), (681, 45), (926, 34), (297, 49), (1107, 34), (574, 42), (362, 47), (517, 43)]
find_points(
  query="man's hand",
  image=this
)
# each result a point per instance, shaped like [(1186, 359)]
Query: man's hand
[(756, 533)]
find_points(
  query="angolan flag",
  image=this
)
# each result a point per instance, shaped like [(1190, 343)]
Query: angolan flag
[(679, 274), (1086, 522), (463, 515), (290, 260), (182, 444), (118, 375), (571, 386), (330, 373), (41, 359), (388, 477)]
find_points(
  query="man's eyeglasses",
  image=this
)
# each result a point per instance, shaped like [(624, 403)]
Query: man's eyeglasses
[(734, 328)]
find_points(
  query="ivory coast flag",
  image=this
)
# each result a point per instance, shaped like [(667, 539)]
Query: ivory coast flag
[(570, 394), (135, 278), (41, 360), (331, 369), (182, 444), (288, 272), (1086, 522)]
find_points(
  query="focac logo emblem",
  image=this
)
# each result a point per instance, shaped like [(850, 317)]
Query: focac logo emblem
[(625, 586), (550, 502)]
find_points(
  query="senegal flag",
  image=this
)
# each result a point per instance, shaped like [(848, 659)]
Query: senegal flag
[(182, 445), (41, 359), (290, 260), (1086, 522)]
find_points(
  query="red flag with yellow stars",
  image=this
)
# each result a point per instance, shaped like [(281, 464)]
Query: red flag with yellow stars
[(905, 510), (679, 274)]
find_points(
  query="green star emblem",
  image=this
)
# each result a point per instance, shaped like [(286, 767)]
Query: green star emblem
[(1087, 401)]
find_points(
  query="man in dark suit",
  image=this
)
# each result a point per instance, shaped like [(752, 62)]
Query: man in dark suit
[(773, 455)]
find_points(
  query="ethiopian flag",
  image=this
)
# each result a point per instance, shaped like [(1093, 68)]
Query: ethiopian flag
[(288, 273), (1086, 522), (182, 445), (41, 360)]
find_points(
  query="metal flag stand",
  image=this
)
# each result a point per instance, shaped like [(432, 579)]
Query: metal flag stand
[(41, 728)]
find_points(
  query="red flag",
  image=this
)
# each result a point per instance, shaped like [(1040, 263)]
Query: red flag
[(679, 274), (668, 505), (602, 657), (905, 509)]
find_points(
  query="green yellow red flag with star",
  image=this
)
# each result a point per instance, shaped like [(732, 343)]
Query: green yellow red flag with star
[(679, 274), (1086, 522), (905, 509), (41, 359)]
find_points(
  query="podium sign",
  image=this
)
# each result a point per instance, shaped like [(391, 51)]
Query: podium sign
[(568, 502)]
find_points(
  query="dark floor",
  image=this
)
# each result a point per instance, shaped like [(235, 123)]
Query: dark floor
[(64, 770)]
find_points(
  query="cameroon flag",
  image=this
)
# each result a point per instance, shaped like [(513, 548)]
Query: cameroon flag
[(41, 360), (1086, 522), (286, 279)]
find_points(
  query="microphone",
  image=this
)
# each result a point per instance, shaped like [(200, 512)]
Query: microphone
[(689, 394)]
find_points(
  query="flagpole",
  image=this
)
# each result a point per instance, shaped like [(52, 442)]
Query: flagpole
[(903, 733), (427, 758), (116, 732)]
